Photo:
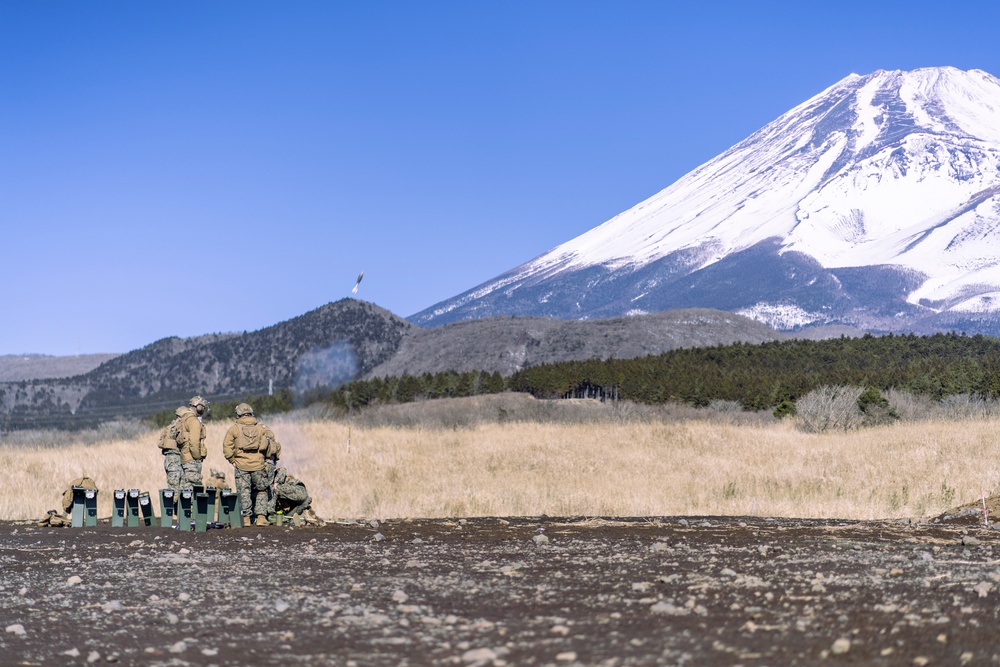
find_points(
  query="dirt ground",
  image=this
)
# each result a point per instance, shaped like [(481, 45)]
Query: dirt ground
[(519, 591)]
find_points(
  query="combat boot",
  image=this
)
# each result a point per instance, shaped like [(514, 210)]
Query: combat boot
[(246, 521), (261, 520)]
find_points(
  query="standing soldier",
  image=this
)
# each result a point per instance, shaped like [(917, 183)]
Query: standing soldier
[(271, 456), (191, 440), (244, 446), (172, 456)]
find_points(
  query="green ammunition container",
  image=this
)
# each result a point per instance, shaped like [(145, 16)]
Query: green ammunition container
[(79, 506), (184, 515), (90, 507), (146, 509), (132, 508), (168, 508), (118, 512), (200, 512)]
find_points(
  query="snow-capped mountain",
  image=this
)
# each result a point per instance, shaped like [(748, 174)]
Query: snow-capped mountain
[(875, 204)]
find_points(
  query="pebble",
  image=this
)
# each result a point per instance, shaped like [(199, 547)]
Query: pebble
[(479, 656), (16, 629), (566, 656), (540, 539), (281, 606), (668, 609), (841, 646), (73, 581)]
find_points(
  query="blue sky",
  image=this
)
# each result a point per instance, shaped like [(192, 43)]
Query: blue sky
[(186, 168)]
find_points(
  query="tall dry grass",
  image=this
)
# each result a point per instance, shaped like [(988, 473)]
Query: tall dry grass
[(616, 466)]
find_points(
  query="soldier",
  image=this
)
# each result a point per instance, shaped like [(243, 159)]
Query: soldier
[(217, 478), (191, 440), (172, 456), (244, 446), (271, 456), (292, 498)]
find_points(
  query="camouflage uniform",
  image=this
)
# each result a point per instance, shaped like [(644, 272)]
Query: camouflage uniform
[(293, 498), (244, 446), (291, 494), (172, 466), (191, 441), (271, 456)]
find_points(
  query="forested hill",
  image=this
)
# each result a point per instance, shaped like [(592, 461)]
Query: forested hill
[(761, 376), (323, 347), (758, 376)]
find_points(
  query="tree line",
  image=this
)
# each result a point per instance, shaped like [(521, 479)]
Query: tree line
[(758, 376)]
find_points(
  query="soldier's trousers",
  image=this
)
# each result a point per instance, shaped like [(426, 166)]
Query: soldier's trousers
[(192, 474), (292, 498), (253, 490), (270, 468), (175, 471)]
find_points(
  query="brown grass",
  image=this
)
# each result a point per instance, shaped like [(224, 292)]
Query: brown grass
[(615, 467)]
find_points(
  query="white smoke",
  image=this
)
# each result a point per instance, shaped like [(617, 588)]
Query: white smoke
[(326, 367)]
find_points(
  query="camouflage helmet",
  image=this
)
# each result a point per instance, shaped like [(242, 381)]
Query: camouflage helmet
[(280, 475), (198, 402), (243, 409)]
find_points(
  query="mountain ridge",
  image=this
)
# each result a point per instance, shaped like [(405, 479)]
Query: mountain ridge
[(342, 341)]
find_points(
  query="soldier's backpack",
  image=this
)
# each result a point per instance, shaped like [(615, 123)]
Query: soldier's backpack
[(67, 497), (168, 436), (53, 520), (250, 438)]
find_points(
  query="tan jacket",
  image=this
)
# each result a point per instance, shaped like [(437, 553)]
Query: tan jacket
[(191, 436), (245, 445)]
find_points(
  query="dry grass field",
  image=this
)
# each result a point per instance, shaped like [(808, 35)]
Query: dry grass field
[(528, 464)]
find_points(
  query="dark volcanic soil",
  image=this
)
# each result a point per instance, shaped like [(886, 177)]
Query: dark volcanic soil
[(528, 591)]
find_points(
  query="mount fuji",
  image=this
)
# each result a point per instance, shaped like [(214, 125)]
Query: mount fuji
[(874, 204)]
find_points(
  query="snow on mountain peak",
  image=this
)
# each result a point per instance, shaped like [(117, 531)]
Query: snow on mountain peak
[(896, 169), (852, 176)]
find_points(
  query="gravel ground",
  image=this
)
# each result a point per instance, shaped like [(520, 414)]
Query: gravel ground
[(519, 591)]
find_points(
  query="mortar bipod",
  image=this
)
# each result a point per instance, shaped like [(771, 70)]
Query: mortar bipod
[(118, 512)]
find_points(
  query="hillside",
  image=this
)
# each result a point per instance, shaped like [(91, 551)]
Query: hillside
[(343, 341), (17, 367), (508, 344), (323, 347)]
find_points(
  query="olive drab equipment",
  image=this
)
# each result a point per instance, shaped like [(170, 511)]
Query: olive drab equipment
[(67, 497), (168, 436)]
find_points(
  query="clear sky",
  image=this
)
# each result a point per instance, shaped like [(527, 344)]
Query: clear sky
[(194, 167)]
